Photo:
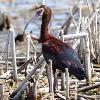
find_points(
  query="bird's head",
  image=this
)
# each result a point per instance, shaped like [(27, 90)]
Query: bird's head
[(44, 11), (33, 26)]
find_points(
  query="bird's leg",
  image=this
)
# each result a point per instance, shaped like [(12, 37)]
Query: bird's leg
[(49, 78), (55, 84), (47, 74), (62, 81)]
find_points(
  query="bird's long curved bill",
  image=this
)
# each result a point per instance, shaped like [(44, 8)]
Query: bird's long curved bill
[(33, 25), (38, 13)]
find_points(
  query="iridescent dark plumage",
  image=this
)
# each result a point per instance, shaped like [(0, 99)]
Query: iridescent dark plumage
[(61, 54)]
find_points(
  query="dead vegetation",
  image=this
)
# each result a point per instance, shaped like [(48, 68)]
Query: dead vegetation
[(15, 60)]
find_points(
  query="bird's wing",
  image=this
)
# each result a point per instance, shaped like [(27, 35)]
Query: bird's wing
[(60, 51), (63, 57)]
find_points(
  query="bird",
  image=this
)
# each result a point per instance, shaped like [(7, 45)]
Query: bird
[(62, 55), (4, 20), (5, 23), (19, 37)]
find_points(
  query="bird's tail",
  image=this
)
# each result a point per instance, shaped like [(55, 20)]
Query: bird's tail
[(78, 72)]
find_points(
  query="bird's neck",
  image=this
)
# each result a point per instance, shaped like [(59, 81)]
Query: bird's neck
[(44, 30)]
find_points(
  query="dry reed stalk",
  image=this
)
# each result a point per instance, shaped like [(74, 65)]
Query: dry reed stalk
[(50, 78), (75, 90), (13, 54), (9, 74), (61, 96), (67, 23), (74, 36), (35, 84), (62, 81), (43, 2), (30, 91), (7, 53), (98, 43), (1, 91), (27, 50), (74, 10), (28, 77), (86, 97), (62, 74), (89, 6), (67, 84), (91, 43), (87, 60), (84, 89), (20, 92)]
